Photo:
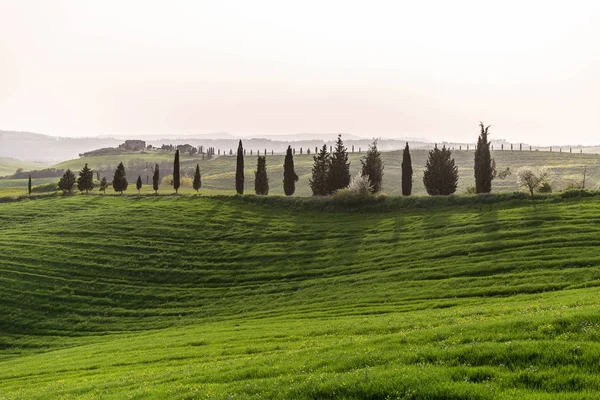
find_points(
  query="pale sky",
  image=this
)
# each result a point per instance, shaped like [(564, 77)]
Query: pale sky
[(430, 69)]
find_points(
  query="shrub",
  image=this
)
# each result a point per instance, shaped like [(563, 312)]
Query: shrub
[(545, 187)]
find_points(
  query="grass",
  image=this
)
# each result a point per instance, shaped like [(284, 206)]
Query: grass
[(227, 297), (9, 166)]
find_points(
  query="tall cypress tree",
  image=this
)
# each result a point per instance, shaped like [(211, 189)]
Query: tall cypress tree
[(67, 182), (29, 185), (441, 174), (289, 175), (261, 181), (484, 165), (138, 184), (407, 172), (120, 179), (176, 176), (239, 170), (156, 179), (339, 169), (197, 179), (85, 180), (372, 167), (320, 171)]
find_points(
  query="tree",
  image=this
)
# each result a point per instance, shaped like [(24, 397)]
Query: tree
[(261, 181), (239, 170), (29, 185), (85, 180), (339, 170), (484, 164), (532, 178), (441, 174), (407, 172), (176, 176), (289, 175), (372, 167), (138, 184), (120, 179), (103, 185), (197, 179), (320, 171), (67, 182), (156, 179)]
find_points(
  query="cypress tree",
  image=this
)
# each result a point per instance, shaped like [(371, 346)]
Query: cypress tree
[(156, 179), (29, 185), (103, 185), (197, 179), (120, 179), (85, 180), (484, 170), (289, 175), (138, 184), (176, 176), (239, 170), (372, 167), (407, 172), (67, 182), (339, 169), (261, 181), (441, 174), (320, 171)]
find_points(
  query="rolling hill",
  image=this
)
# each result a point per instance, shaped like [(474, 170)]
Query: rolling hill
[(222, 297)]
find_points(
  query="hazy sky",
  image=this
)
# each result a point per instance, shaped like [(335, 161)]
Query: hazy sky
[(432, 69)]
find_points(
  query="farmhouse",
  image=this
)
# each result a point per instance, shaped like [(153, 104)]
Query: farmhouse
[(133, 145)]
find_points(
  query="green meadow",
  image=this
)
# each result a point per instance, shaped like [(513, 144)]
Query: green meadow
[(201, 297)]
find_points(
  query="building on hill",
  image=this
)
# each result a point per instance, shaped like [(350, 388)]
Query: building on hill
[(133, 145)]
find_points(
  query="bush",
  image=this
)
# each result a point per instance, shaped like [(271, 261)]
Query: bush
[(358, 191), (545, 187), (47, 188)]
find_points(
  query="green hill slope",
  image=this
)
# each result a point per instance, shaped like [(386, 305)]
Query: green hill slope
[(192, 297)]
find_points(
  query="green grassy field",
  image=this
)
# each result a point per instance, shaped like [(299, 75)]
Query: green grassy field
[(8, 166), (219, 173), (223, 297)]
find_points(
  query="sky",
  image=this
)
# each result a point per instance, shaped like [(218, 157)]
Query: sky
[(430, 69)]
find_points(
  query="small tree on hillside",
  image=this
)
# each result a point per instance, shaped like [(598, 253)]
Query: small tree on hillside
[(176, 176), (138, 184), (103, 185), (156, 179), (29, 185), (67, 182), (197, 179), (339, 169), (320, 170), (289, 175), (239, 170), (407, 172), (120, 179), (485, 170), (85, 180), (532, 178), (372, 167), (441, 174), (261, 181)]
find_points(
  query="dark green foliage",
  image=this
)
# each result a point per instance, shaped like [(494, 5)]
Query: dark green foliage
[(338, 176), (407, 172), (67, 182), (103, 185), (156, 178), (320, 171), (86, 179), (29, 186), (120, 179), (138, 184), (289, 175), (484, 165), (441, 175), (176, 173), (372, 167), (197, 179), (261, 181), (239, 170)]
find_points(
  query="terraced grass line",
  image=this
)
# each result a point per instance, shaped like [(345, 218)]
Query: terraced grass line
[(213, 297)]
